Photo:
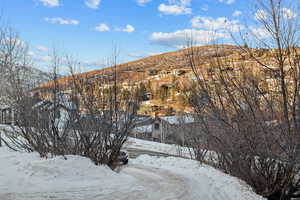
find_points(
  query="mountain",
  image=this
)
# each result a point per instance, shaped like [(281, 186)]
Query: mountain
[(162, 75)]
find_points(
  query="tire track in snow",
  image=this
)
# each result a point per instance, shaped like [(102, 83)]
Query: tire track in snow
[(157, 184)]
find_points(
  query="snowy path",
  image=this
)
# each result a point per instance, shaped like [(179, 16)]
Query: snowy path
[(25, 176), (157, 184), (150, 184)]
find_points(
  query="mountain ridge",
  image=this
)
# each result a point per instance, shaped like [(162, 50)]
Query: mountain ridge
[(165, 61)]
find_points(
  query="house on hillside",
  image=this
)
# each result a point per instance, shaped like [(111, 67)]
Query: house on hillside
[(7, 115), (143, 128), (171, 129), (152, 72), (44, 111), (35, 111), (165, 129)]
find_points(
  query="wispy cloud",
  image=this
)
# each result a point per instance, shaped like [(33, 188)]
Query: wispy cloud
[(204, 7), (143, 2), (102, 28), (94, 4), (50, 3), (59, 20), (227, 1), (237, 13), (41, 48), (31, 54)]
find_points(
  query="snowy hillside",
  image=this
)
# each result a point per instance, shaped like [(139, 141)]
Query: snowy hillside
[(25, 176)]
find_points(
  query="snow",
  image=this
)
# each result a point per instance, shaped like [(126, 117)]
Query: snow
[(204, 182), (26, 176), (147, 102), (171, 149), (144, 129), (179, 119)]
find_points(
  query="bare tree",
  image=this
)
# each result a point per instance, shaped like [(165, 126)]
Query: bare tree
[(71, 115), (249, 111), (108, 116), (14, 67), (41, 122)]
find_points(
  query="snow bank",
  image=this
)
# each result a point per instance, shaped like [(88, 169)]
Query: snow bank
[(204, 181), (28, 173), (25, 176)]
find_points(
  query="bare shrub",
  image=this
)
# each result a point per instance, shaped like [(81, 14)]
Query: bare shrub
[(250, 111), (71, 117), (108, 116)]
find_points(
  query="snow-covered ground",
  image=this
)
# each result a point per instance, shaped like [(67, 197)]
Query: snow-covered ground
[(25, 176), (157, 147)]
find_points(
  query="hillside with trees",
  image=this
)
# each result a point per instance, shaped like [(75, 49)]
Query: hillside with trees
[(164, 82)]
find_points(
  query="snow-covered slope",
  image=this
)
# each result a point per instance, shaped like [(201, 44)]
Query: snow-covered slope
[(25, 176)]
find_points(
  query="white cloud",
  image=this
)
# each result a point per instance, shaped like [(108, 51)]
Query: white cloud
[(288, 14), (41, 48), (44, 58), (31, 54), (50, 3), (237, 13), (259, 33), (62, 21), (218, 24), (129, 28), (143, 2), (260, 15), (263, 14), (176, 7), (227, 1), (102, 28), (180, 38), (181, 2), (94, 4)]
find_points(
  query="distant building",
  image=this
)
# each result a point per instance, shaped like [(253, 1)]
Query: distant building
[(6, 115), (143, 128), (152, 72), (33, 111), (167, 129)]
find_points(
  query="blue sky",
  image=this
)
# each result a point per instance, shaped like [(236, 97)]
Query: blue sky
[(89, 29)]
